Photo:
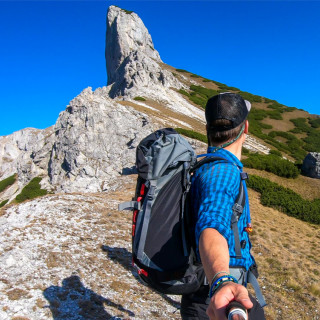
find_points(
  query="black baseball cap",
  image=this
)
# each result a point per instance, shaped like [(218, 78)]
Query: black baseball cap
[(228, 106)]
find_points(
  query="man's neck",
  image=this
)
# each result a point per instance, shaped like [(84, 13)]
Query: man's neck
[(236, 148)]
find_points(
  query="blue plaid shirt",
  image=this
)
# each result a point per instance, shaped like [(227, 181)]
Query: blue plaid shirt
[(214, 189)]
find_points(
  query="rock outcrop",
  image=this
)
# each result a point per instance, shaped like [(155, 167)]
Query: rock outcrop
[(95, 140), (133, 64), (25, 153), (126, 34), (311, 165)]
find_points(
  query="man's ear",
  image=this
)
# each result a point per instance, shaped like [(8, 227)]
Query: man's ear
[(246, 128)]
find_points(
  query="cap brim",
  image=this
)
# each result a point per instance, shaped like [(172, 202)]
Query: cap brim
[(248, 104)]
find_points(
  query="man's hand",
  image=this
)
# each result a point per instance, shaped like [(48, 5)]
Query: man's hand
[(227, 293)]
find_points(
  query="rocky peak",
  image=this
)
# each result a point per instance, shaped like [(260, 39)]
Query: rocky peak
[(133, 64), (126, 34)]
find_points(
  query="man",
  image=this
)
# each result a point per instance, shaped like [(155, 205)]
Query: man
[(215, 188)]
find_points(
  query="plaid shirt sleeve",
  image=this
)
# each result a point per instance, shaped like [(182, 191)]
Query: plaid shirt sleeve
[(216, 187)]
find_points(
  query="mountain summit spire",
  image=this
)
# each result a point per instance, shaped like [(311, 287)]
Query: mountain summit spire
[(134, 66), (126, 34)]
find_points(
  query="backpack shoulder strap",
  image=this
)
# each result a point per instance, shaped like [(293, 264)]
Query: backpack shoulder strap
[(239, 204), (206, 160), (237, 210)]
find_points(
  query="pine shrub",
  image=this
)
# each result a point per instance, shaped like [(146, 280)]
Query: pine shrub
[(3, 203), (315, 123), (7, 182), (31, 190), (285, 200), (192, 134), (272, 163), (139, 99), (182, 70), (276, 153)]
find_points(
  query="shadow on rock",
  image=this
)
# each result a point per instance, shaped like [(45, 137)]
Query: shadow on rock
[(73, 301), (123, 257)]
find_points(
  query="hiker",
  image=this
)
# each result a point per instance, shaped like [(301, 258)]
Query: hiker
[(215, 187)]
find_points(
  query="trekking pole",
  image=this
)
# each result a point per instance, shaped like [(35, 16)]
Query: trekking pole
[(236, 311)]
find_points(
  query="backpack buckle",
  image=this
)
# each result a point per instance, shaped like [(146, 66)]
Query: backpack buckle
[(244, 175), (237, 208)]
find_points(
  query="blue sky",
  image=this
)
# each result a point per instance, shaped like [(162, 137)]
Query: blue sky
[(52, 50)]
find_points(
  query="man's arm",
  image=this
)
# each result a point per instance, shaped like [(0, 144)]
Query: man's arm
[(214, 255)]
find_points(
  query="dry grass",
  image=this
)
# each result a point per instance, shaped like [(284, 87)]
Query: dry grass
[(288, 255), (166, 115), (16, 294)]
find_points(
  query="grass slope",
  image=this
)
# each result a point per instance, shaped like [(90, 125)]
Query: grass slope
[(287, 251), (292, 131)]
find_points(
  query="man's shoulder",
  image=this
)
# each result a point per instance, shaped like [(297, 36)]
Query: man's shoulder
[(219, 167), (221, 174)]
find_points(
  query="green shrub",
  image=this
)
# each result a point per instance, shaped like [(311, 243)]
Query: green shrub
[(301, 124), (224, 87), (194, 76), (272, 163), (276, 115), (315, 123), (192, 134), (139, 99), (250, 97), (31, 190), (266, 100), (127, 11), (7, 182), (313, 141), (295, 130), (285, 200), (208, 93), (199, 101), (289, 109), (182, 70), (184, 92), (276, 106), (276, 153), (3, 203), (199, 95), (265, 126), (257, 114), (245, 151)]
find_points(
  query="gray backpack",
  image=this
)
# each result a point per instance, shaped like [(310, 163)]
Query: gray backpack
[(162, 224)]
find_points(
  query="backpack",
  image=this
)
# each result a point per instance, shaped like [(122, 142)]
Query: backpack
[(163, 244)]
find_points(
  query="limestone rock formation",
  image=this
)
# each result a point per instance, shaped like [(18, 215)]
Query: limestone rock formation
[(95, 138), (133, 64), (126, 34), (311, 165), (25, 153)]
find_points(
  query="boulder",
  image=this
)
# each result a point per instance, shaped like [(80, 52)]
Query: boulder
[(311, 165)]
